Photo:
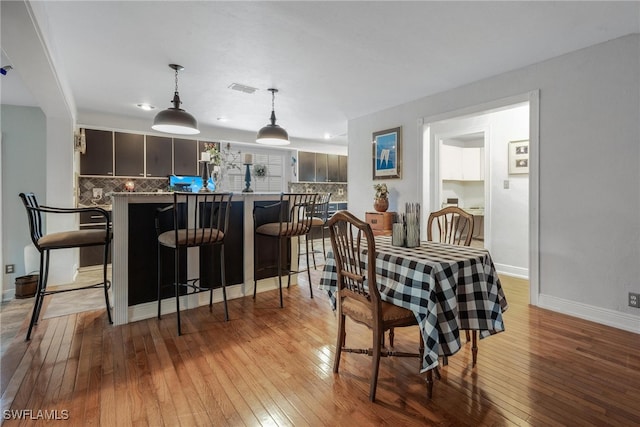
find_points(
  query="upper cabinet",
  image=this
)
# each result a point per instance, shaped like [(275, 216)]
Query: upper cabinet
[(129, 154), (320, 167), (185, 157), (124, 154), (98, 156), (158, 155), (461, 163), (306, 166)]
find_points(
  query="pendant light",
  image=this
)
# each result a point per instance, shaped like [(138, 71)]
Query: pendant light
[(272, 134), (175, 119)]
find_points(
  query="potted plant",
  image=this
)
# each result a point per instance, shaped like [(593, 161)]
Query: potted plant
[(381, 200)]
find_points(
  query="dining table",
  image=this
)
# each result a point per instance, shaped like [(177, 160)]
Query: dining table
[(449, 288)]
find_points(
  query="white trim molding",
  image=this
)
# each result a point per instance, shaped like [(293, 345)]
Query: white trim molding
[(603, 316)]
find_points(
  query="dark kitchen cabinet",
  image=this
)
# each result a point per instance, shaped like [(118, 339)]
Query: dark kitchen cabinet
[(185, 157), (98, 156), (129, 154), (321, 167), (342, 168), (333, 168), (158, 156), (92, 255), (306, 166)]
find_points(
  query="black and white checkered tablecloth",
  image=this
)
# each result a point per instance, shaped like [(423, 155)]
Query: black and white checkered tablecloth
[(447, 287)]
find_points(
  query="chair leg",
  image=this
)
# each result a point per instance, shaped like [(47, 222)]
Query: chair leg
[(224, 283), (474, 347), (391, 337), (47, 258), (313, 253), (255, 264), (105, 283), (377, 337), (159, 284), (324, 251), (339, 343), (430, 383), (280, 270), (314, 264), (39, 294), (467, 334), (177, 287)]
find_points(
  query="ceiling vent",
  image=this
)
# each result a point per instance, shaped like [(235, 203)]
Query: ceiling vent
[(242, 88)]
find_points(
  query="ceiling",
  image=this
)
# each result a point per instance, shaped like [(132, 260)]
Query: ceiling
[(331, 61)]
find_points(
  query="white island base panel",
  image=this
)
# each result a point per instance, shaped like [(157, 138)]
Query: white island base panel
[(123, 313)]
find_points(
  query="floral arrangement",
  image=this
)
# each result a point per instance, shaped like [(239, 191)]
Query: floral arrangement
[(260, 170), (215, 157), (381, 191)]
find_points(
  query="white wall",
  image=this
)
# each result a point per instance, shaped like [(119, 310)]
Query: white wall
[(23, 170), (589, 160)]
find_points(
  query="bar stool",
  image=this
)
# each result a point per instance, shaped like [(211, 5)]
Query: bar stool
[(199, 220), (319, 220), (293, 220), (45, 243)]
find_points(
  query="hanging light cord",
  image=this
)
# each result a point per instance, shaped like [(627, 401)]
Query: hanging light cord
[(176, 98), (273, 107)]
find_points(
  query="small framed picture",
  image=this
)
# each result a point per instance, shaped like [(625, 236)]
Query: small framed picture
[(387, 158), (518, 157)]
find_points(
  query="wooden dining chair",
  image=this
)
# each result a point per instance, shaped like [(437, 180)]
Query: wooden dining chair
[(454, 226), (358, 296), (46, 242)]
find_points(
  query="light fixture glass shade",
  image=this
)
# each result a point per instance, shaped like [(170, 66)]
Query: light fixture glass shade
[(272, 134), (177, 121)]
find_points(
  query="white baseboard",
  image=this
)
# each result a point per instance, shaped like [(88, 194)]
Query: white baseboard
[(600, 315), (510, 270), (150, 309)]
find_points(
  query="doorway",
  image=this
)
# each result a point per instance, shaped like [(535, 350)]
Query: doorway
[(469, 158)]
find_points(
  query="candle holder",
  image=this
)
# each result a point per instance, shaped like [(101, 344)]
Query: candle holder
[(247, 179), (205, 176)]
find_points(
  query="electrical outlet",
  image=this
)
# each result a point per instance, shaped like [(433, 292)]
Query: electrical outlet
[(97, 193), (340, 192), (9, 268), (634, 300), (505, 184)]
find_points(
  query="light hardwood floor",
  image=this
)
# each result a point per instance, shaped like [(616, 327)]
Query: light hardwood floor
[(271, 366)]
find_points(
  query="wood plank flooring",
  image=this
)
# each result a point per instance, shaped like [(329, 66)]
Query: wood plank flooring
[(271, 366)]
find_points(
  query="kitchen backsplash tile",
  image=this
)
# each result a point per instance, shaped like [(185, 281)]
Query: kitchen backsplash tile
[(86, 184), (338, 190)]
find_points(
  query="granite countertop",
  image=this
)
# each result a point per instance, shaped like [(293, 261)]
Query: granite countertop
[(164, 193)]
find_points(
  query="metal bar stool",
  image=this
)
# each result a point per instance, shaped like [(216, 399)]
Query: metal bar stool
[(293, 221), (199, 219), (45, 243), (319, 219)]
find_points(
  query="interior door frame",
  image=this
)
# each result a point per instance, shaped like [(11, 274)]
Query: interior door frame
[(430, 175)]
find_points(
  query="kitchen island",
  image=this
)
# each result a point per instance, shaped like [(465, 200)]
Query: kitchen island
[(135, 261)]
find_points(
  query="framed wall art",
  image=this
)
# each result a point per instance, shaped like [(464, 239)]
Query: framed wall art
[(387, 159), (518, 157)]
